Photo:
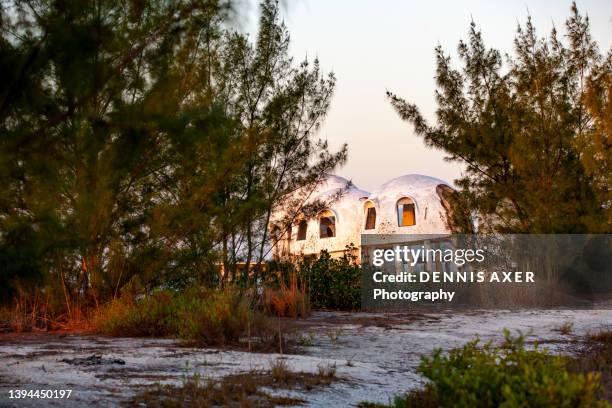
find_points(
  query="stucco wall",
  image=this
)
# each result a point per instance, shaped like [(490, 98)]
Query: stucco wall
[(349, 211)]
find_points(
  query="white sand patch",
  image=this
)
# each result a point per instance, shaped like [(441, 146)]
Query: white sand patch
[(379, 362)]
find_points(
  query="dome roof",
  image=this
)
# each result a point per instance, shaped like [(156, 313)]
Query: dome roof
[(430, 215), (333, 184), (409, 184), (351, 211)]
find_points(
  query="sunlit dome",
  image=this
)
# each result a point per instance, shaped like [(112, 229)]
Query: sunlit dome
[(429, 216), (410, 204), (332, 185), (411, 184)]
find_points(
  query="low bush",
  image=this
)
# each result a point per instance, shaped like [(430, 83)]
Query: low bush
[(153, 316), (220, 317), (333, 283), (279, 370), (506, 376), (210, 317)]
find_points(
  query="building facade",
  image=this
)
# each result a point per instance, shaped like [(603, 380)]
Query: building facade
[(410, 204)]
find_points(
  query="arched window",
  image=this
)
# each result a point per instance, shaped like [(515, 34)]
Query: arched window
[(327, 224), (370, 213), (302, 228), (406, 212)]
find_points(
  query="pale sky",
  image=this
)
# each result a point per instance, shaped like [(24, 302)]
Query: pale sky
[(375, 45)]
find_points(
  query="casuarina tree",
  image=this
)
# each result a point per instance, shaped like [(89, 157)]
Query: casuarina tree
[(532, 129)]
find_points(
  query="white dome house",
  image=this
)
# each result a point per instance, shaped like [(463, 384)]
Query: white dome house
[(411, 204), (333, 228)]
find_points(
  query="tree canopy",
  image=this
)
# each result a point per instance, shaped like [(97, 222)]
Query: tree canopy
[(532, 128), (145, 143)]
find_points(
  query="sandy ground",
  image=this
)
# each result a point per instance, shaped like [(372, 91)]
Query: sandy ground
[(376, 355)]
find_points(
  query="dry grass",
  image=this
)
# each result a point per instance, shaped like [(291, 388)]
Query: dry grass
[(566, 328), (604, 337), (35, 312), (334, 335), (326, 370), (281, 374), (239, 390), (287, 301), (279, 370), (235, 391)]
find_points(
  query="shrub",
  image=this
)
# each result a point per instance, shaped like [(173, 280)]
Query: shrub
[(279, 370), (423, 398), (507, 376), (220, 317), (333, 283), (503, 376), (153, 316), (211, 317)]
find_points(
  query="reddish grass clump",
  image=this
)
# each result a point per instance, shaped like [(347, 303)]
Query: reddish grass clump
[(287, 301)]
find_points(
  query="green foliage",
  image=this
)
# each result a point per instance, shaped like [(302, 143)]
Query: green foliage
[(219, 317), (148, 141), (532, 130), (505, 376), (153, 316), (209, 317), (415, 399), (88, 113), (333, 283), (508, 376), (21, 259), (277, 106)]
